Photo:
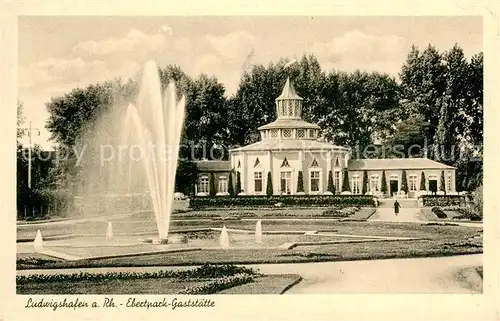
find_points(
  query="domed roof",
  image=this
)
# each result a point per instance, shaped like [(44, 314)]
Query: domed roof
[(288, 92)]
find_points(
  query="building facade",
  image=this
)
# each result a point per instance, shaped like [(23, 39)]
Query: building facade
[(290, 147)]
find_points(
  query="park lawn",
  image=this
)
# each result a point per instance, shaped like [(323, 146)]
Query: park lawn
[(334, 252), (143, 222)]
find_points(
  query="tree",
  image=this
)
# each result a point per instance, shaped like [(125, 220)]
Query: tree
[(238, 183), (269, 188), (383, 187), (422, 182), (442, 183), (212, 184), (300, 183), (404, 182), (230, 188), (345, 181), (409, 138), (331, 186), (365, 182)]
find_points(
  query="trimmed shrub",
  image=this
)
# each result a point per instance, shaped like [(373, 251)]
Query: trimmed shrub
[(383, 188), (365, 182), (212, 184), (422, 182), (230, 187), (238, 183), (285, 200), (442, 186), (300, 183), (269, 188), (439, 212), (442, 200), (345, 182), (404, 182), (331, 186)]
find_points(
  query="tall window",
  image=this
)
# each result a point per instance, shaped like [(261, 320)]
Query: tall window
[(311, 133), (356, 184), (204, 184), (337, 180), (257, 181), (285, 178), (314, 181), (448, 183), (222, 184), (374, 183), (412, 182), (290, 109), (274, 133)]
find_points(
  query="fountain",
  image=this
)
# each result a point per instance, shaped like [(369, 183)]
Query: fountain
[(224, 238), (38, 242), (258, 232), (109, 231), (156, 124)]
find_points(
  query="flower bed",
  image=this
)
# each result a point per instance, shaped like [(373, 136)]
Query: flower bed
[(206, 271), (219, 284), (291, 200), (439, 212)]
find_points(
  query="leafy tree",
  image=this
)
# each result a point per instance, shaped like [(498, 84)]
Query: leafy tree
[(185, 177), (345, 182), (230, 188), (300, 183), (477, 197), (331, 186), (409, 138), (442, 182), (383, 187), (269, 188), (404, 182), (365, 182), (212, 184), (422, 182), (238, 183)]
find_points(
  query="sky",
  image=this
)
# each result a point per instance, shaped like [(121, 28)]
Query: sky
[(57, 54)]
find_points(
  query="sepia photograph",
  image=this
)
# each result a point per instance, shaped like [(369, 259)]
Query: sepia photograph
[(283, 155)]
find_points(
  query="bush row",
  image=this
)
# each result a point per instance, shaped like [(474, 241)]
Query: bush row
[(206, 271), (291, 200), (32, 202), (442, 200), (213, 286)]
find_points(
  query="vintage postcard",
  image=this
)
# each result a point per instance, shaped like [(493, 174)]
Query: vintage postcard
[(283, 161)]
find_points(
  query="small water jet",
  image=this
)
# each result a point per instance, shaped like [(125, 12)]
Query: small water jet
[(258, 232), (38, 242), (224, 238), (109, 231)]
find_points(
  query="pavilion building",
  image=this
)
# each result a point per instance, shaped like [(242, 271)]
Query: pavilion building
[(290, 147)]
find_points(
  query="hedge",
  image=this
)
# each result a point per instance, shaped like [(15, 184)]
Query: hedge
[(442, 200), (286, 200)]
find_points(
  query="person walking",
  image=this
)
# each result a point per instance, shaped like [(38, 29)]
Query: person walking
[(396, 207)]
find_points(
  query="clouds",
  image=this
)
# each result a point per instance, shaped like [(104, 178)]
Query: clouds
[(357, 50)]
